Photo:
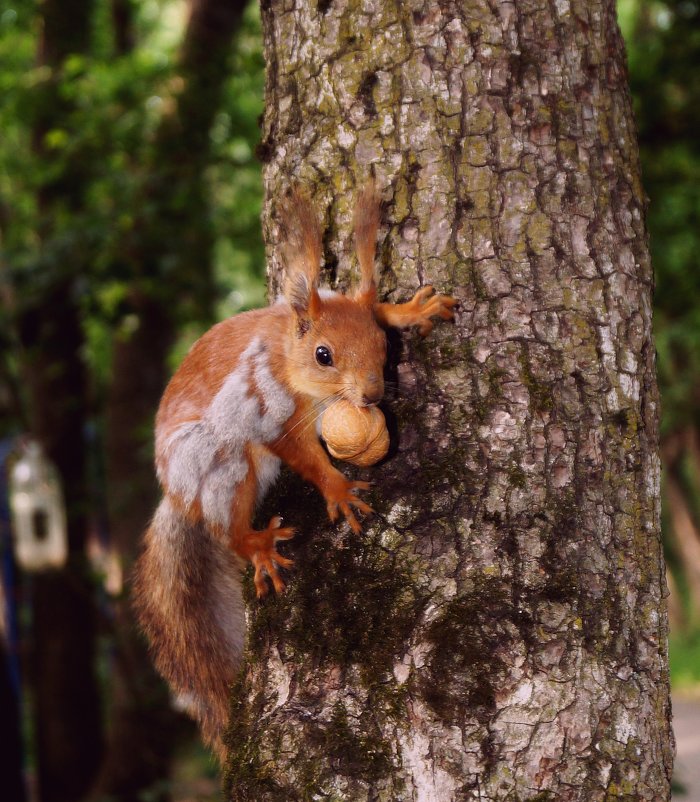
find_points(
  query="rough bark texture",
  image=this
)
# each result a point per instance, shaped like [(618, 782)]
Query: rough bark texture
[(499, 631)]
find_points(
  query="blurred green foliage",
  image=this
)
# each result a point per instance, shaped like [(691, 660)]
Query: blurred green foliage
[(663, 45), (115, 103), (684, 658)]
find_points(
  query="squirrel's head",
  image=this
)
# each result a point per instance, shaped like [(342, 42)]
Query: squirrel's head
[(336, 348)]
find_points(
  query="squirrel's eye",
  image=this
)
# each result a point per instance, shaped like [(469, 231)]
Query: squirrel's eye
[(323, 356)]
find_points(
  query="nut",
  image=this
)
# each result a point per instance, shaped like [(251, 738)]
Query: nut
[(355, 434)]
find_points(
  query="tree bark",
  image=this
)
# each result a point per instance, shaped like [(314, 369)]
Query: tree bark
[(499, 631)]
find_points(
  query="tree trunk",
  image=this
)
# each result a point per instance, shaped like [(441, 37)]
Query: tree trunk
[(499, 630), (679, 451), (64, 683), (686, 540), (11, 747)]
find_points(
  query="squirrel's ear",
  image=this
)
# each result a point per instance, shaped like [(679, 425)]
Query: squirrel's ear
[(366, 225), (301, 252)]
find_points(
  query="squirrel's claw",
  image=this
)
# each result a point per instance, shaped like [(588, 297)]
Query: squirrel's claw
[(343, 501), (280, 533), (266, 565)]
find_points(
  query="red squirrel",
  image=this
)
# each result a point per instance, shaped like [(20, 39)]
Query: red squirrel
[(247, 397)]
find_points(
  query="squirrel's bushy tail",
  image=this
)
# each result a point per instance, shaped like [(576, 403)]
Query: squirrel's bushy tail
[(187, 595)]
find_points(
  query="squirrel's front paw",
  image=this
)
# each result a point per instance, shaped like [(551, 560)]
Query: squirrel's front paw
[(259, 549), (424, 307), (341, 497)]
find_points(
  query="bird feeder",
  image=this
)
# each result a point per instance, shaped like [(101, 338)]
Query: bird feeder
[(38, 512)]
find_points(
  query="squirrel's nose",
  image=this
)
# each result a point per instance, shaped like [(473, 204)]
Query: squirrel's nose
[(373, 395), (373, 390)]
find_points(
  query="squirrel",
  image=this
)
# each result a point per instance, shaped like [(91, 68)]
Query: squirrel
[(248, 396)]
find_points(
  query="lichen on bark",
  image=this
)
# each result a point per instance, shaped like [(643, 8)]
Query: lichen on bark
[(499, 630)]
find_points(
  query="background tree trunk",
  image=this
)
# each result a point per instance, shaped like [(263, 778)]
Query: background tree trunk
[(170, 259), (499, 631), (66, 703)]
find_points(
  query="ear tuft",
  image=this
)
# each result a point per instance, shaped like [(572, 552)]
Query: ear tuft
[(302, 297), (300, 248), (366, 224), (297, 292)]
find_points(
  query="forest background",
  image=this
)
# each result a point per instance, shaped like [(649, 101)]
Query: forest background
[(130, 195)]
